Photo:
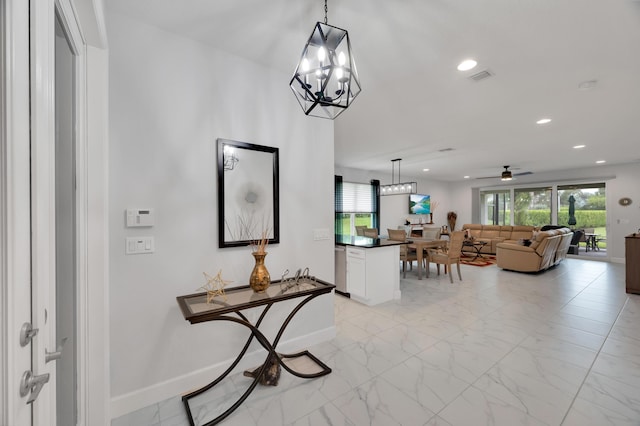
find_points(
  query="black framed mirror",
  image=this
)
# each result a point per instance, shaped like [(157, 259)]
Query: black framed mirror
[(248, 193)]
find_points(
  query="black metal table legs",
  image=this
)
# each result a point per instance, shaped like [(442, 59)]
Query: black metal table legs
[(272, 356)]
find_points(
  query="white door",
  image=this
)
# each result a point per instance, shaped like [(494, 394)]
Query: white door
[(15, 226), (38, 214)]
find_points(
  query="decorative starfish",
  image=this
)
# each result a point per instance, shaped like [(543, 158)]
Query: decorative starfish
[(214, 286)]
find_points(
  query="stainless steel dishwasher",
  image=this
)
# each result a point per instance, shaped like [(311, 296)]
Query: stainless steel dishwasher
[(341, 270)]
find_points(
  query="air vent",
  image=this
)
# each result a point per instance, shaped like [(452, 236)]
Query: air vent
[(587, 85), (446, 150), (480, 75)]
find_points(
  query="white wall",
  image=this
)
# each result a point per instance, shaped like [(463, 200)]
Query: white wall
[(394, 209), (170, 98)]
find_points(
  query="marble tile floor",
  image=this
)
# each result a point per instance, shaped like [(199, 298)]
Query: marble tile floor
[(498, 348)]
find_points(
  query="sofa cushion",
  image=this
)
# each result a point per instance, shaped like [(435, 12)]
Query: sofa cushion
[(522, 232), (505, 231), (538, 237), (474, 229), (491, 231)]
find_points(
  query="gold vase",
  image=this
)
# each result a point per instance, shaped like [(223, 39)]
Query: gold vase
[(260, 278)]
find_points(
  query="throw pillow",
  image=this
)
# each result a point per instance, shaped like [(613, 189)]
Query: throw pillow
[(524, 242)]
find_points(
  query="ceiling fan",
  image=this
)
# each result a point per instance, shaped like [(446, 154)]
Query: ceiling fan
[(506, 174)]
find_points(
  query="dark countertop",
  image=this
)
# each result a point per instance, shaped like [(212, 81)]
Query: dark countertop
[(364, 242)]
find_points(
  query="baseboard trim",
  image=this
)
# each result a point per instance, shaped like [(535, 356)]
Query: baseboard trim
[(132, 401), (617, 260)]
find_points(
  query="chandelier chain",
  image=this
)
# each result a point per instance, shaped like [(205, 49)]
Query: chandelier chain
[(326, 10)]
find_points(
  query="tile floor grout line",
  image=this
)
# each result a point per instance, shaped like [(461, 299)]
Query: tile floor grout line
[(604, 342)]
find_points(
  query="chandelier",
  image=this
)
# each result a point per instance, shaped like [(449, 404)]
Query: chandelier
[(400, 187), (326, 80)]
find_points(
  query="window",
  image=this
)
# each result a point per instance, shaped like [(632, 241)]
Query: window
[(356, 204), (532, 206), (495, 208), (589, 205)]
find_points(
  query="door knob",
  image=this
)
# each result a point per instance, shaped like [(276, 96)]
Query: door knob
[(27, 333), (33, 384), (52, 356)]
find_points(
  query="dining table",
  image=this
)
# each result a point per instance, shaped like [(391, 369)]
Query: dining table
[(420, 244)]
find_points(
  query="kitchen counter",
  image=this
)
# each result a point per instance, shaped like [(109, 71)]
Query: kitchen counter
[(367, 269), (364, 242)]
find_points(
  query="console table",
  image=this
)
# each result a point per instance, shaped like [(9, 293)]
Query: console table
[(195, 309)]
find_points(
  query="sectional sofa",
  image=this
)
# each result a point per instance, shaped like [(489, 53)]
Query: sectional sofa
[(547, 248), (495, 234)]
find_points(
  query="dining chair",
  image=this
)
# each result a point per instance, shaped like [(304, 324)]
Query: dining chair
[(448, 256), (430, 233), (360, 230), (397, 234), (406, 255), (585, 238), (371, 232)]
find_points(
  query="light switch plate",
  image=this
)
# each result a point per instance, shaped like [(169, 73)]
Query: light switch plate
[(139, 245), (321, 234)]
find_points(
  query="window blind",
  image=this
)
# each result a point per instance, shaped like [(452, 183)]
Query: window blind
[(356, 198)]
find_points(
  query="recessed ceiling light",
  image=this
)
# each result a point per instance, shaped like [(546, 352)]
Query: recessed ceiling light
[(600, 161), (425, 170), (467, 177), (579, 146), (543, 121), (467, 65)]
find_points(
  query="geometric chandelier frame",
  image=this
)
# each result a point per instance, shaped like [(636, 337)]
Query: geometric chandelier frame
[(326, 81)]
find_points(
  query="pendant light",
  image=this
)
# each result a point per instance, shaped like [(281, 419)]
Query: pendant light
[(400, 187), (326, 80)]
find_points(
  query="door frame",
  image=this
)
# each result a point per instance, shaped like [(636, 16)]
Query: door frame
[(16, 134)]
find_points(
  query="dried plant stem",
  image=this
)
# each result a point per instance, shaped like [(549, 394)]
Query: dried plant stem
[(260, 245)]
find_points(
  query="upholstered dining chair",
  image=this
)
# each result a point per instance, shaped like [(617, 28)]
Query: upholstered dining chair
[(360, 230), (430, 233), (406, 255), (449, 256), (371, 232)]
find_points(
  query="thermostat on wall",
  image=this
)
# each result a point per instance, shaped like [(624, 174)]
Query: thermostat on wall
[(139, 217)]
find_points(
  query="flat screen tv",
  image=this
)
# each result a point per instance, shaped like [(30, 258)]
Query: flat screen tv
[(419, 204)]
